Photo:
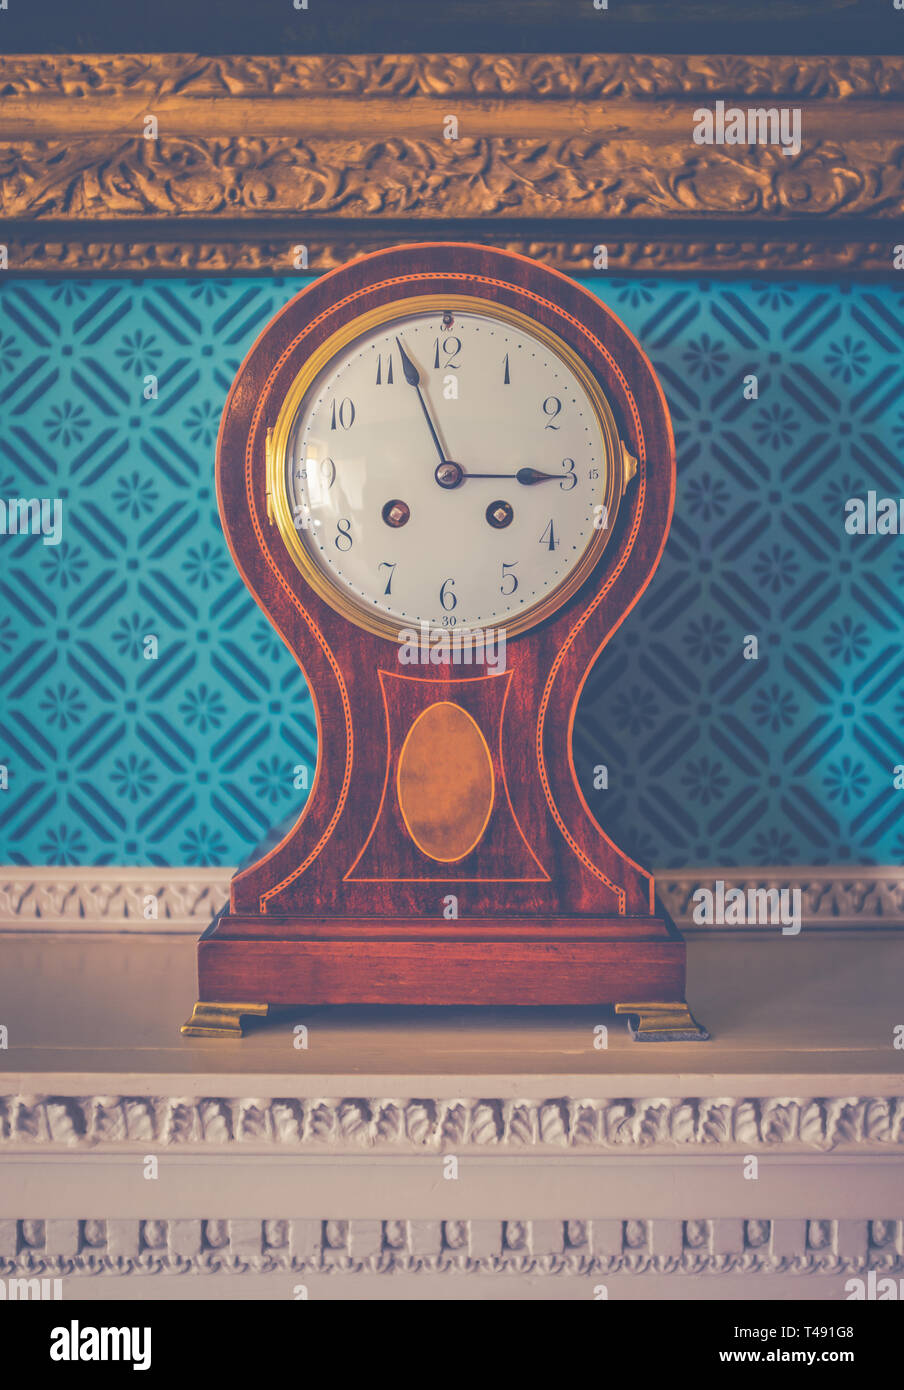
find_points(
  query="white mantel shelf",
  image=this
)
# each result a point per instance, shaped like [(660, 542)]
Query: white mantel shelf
[(786, 1014), (577, 1162)]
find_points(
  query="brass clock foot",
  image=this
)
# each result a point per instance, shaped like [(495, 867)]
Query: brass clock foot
[(671, 1021), (220, 1020)]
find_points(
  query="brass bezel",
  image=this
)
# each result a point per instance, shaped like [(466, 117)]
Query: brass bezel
[(620, 470)]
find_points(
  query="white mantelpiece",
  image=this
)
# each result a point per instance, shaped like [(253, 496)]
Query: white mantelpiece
[(329, 1165)]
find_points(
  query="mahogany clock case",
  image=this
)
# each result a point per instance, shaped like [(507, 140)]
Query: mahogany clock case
[(346, 908)]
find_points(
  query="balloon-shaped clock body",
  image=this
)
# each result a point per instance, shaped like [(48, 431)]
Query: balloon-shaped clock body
[(446, 474)]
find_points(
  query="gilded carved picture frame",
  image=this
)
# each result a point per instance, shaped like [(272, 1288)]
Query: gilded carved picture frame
[(178, 164)]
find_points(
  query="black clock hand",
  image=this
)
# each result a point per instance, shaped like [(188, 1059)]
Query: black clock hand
[(412, 376), (528, 476)]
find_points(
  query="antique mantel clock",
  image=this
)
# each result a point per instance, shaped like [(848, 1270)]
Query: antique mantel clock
[(446, 474)]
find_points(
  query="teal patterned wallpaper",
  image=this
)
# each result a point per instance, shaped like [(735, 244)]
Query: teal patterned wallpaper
[(712, 759)]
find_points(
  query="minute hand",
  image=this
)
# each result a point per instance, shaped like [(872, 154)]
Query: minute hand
[(412, 376)]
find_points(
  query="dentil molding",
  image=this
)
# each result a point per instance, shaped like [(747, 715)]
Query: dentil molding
[(138, 899), (575, 1247)]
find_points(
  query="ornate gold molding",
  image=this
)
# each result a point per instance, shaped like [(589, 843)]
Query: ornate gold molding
[(544, 76), (270, 255), (568, 151)]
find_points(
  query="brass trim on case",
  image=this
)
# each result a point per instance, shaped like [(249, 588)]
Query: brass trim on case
[(277, 440), (663, 1021), (217, 1020), (268, 448)]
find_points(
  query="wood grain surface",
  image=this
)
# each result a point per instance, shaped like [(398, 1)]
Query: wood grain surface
[(542, 857)]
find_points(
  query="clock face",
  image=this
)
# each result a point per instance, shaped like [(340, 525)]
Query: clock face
[(453, 464)]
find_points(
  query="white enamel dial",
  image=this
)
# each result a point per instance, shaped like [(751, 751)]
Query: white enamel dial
[(447, 468)]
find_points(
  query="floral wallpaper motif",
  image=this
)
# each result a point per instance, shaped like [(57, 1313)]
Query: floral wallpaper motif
[(110, 397), (788, 758)]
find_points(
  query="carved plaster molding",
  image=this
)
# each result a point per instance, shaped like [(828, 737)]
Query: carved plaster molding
[(544, 142), (118, 899), (835, 896), (316, 1127), (575, 1247), (184, 899)]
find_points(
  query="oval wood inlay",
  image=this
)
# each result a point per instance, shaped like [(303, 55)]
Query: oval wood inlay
[(445, 782)]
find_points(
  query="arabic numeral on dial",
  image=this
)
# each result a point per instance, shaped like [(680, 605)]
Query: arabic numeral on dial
[(447, 598), (570, 479), (593, 474), (321, 474), (386, 565), (506, 376), (343, 533), (328, 472), (506, 578), (342, 415), (552, 408), (450, 348), (384, 374), (549, 538)]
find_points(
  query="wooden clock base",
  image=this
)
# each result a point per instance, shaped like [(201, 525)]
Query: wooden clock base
[(246, 964)]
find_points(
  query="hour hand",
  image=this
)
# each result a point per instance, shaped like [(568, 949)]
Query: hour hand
[(534, 475), (528, 476)]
